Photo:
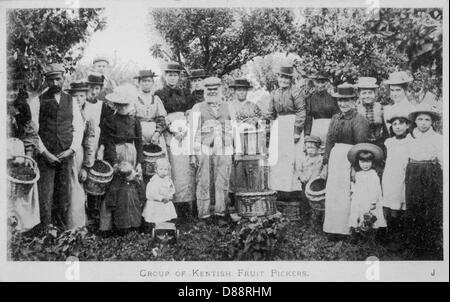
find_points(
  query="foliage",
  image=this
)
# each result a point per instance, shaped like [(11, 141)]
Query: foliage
[(221, 40), (37, 37), (257, 238)]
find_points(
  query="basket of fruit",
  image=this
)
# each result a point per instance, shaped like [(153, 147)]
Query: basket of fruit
[(23, 173), (98, 178)]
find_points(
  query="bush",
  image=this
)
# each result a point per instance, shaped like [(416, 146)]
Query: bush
[(257, 238)]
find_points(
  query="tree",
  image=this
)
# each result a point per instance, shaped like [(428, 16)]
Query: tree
[(221, 40), (37, 37)]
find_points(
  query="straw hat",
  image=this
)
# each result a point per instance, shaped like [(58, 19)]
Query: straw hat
[(399, 77), (395, 114), (145, 74), (173, 66), (356, 149), (286, 70), (78, 86), (95, 79), (100, 59), (427, 109), (345, 91), (123, 94), (366, 83), (198, 73)]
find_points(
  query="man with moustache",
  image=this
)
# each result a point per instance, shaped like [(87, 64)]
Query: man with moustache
[(61, 133)]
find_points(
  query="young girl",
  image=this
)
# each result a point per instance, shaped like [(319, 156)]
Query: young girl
[(393, 183), (366, 211), (121, 139), (160, 191), (424, 217), (125, 198)]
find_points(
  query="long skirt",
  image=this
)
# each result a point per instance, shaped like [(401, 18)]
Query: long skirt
[(337, 196), (182, 172), (424, 207), (76, 215), (320, 129), (284, 155), (125, 152), (24, 210)]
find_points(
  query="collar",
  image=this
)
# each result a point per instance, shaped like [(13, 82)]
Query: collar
[(418, 134)]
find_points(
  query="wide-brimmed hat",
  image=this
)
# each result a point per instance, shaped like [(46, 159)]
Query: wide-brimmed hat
[(123, 94), (366, 83), (395, 114), (313, 139), (344, 91), (78, 86), (286, 70), (173, 66), (356, 149), (100, 59), (95, 79), (240, 83), (399, 77), (53, 70), (145, 74), (198, 73), (319, 75), (424, 108)]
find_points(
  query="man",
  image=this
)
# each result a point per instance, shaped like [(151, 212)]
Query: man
[(213, 149), (195, 80), (95, 107), (61, 132)]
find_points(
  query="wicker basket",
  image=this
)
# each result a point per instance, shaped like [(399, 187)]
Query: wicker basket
[(315, 192), (18, 188), (148, 166), (97, 182), (256, 203)]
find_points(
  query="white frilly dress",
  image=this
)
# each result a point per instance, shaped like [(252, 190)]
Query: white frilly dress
[(155, 210)]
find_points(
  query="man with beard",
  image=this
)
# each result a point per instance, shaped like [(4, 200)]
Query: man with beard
[(61, 133)]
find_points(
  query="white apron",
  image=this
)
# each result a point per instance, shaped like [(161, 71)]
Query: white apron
[(284, 155), (76, 215), (337, 196)]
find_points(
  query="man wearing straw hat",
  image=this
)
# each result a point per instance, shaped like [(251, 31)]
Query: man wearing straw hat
[(61, 133)]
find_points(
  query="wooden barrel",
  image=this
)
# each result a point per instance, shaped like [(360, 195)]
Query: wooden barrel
[(152, 153), (256, 203), (20, 188), (97, 182)]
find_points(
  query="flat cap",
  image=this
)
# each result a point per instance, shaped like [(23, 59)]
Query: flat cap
[(54, 69), (212, 82), (100, 59)]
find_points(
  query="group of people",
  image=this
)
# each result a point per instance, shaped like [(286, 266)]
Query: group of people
[(382, 164)]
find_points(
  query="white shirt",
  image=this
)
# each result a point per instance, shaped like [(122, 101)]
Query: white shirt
[(77, 124), (426, 145)]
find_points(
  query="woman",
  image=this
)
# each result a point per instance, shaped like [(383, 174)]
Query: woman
[(398, 87), (423, 181), (320, 108), (287, 108), (83, 159), (347, 128), (150, 110), (177, 135), (372, 110)]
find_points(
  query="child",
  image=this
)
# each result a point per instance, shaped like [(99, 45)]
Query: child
[(310, 167), (366, 212), (424, 217), (393, 183), (160, 191), (125, 198), (121, 139)]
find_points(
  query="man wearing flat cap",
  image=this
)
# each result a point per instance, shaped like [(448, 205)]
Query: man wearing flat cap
[(100, 65), (61, 133), (213, 149)]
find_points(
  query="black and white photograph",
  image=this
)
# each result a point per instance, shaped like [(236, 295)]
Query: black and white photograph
[(220, 137)]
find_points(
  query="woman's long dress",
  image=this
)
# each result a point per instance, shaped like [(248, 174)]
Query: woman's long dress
[(345, 131), (287, 110), (177, 103)]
